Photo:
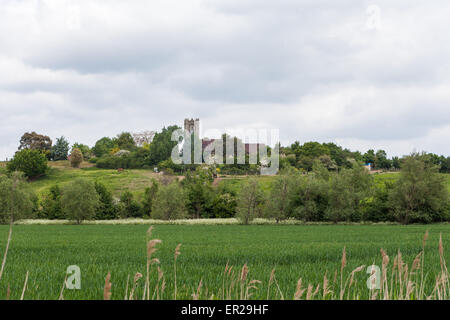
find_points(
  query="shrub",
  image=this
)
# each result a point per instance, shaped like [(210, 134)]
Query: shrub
[(76, 158), (224, 203), (80, 200), (169, 203), (32, 163)]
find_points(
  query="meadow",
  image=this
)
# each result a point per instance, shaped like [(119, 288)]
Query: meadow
[(307, 252)]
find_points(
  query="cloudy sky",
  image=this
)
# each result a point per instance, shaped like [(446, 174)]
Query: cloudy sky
[(360, 73)]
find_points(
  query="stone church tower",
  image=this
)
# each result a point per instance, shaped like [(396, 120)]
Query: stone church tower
[(192, 125)]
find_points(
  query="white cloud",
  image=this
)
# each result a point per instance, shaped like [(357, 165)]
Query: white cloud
[(313, 69)]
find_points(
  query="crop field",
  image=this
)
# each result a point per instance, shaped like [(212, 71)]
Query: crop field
[(307, 252)]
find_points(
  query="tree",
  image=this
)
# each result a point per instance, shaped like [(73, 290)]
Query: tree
[(199, 192), (249, 201), (149, 197), (169, 203), (278, 203), (32, 163), (17, 200), (103, 146), (35, 141), (348, 189), (420, 194), (107, 209), (85, 150), (125, 141), (76, 158), (369, 157), (80, 200), (51, 203), (162, 145), (381, 160), (130, 208), (60, 150)]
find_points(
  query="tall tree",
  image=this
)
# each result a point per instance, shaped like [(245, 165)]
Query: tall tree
[(80, 200), (249, 201), (60, 150)]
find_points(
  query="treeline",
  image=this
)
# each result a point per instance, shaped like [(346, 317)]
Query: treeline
[(154, 149), (334, 157), (419, 195)]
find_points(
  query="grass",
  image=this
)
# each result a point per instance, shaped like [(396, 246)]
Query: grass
[(309, 252), (133, 180)]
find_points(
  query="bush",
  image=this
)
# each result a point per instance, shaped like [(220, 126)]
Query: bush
[(32, 163), (80, 200), (76, 158), (169, 203)]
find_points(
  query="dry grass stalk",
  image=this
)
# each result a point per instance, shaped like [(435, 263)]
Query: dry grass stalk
[(177, 253), (107, 288), (24, 287)]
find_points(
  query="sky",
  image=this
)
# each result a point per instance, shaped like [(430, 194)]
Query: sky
[(363, 74)]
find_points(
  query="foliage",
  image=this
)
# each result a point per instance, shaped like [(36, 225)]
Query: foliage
[(124, 141), (103, 146), (51, 204), (60, 150), (16, 198), (129, 207), (85, 150), (250, 200), (162, 145), (169, 203), (149, 196), (35, 141), (31, 162), (80, 200), (420, 194), (76, 158), (106, 210), (199, 192), (278, 201)]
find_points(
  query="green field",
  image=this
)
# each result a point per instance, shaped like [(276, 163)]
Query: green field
[(295, 251)]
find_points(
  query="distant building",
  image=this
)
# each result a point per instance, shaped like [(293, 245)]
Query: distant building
[(191, 126), (368, 166)]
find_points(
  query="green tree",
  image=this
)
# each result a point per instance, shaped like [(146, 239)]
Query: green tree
[(60, 150), (106, 210), (169, 203), (348, 190), (278, 201), (76, 158), (17, 200), (161, 147), (250, 200), (199, 192), (125, 141), (103, 147), (80, 200), (51, 203), (420, 194), (130, 208), (149, 197), (31, 162)]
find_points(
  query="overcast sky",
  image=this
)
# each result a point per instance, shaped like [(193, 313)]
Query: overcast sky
[(359, 73)]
